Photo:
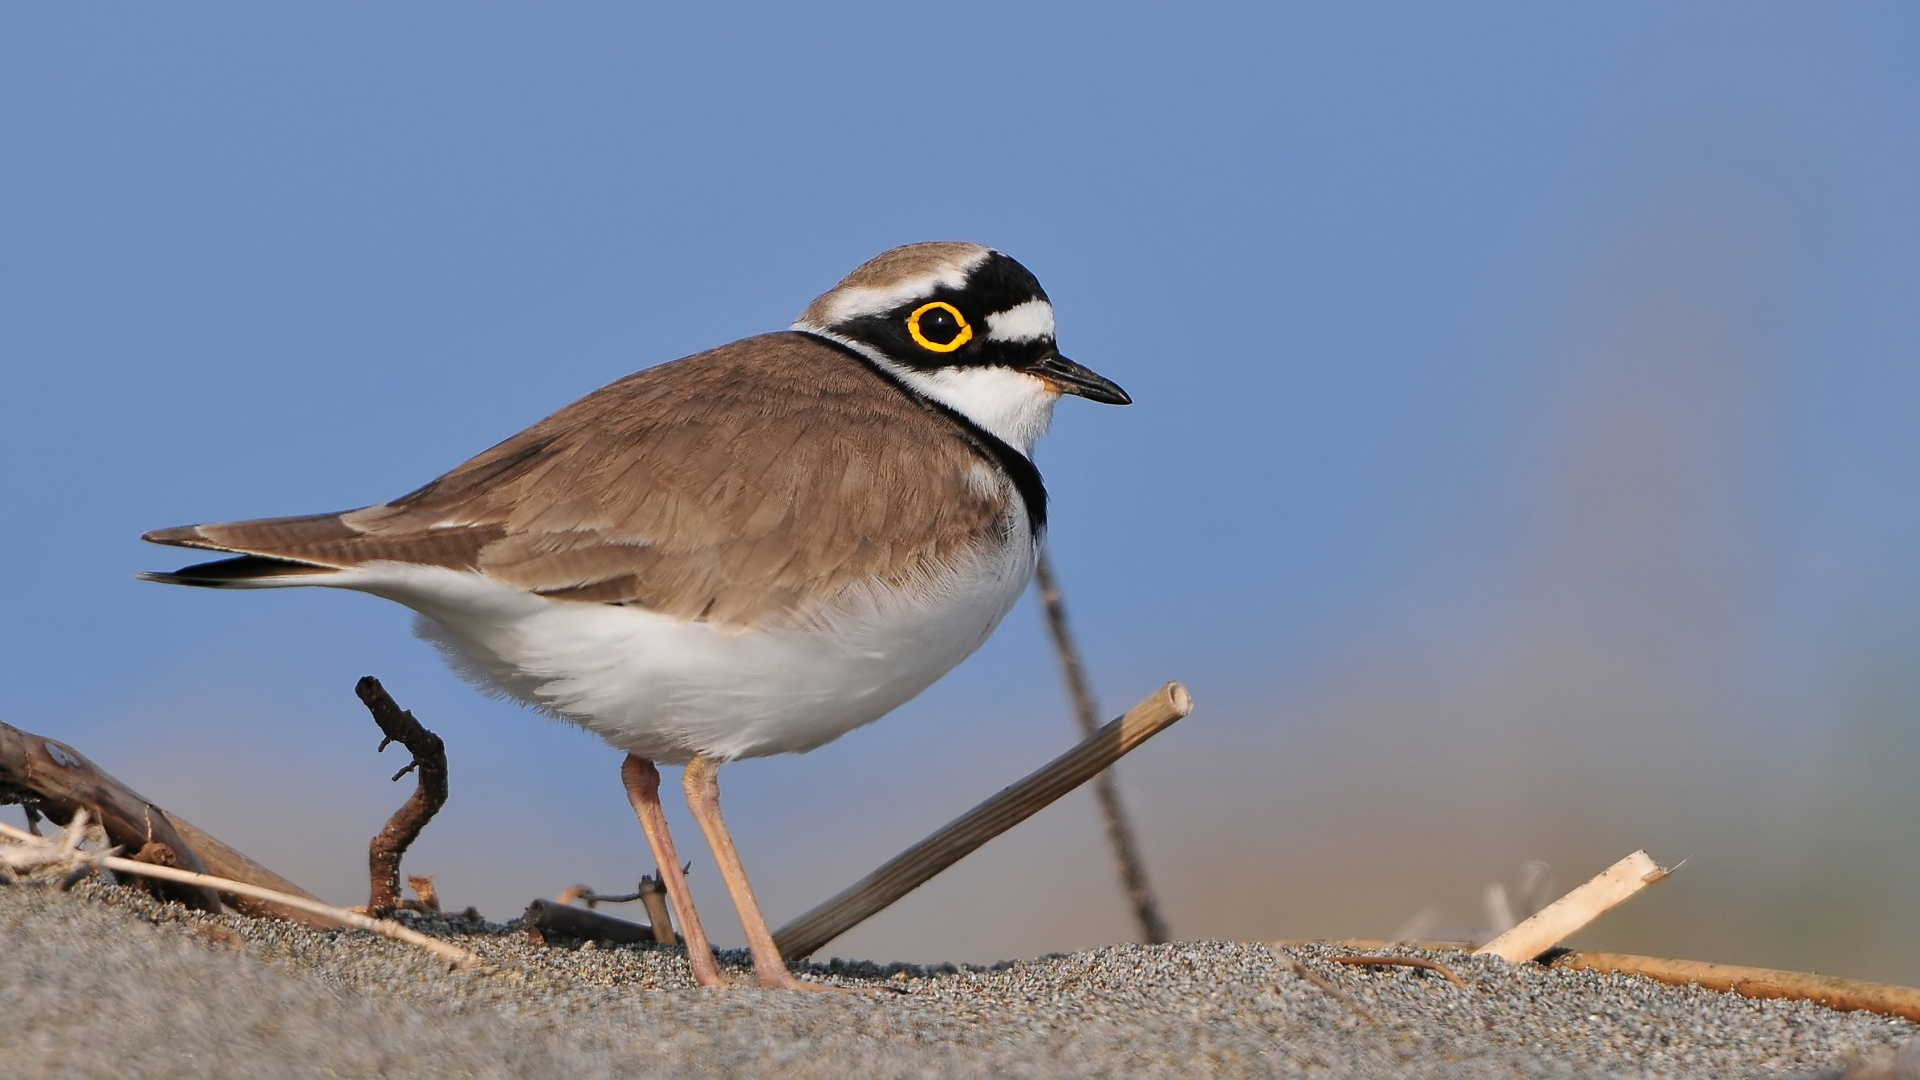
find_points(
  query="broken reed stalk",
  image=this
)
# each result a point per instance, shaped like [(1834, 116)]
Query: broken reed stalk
[(653, 896), (1106, 788), (960, 837), (1566, 916), (338, 916), (429, 794), (1835, 993)]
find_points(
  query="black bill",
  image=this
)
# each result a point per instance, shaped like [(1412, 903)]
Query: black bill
[(1072, 378)]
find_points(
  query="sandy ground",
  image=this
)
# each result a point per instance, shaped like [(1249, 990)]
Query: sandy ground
[(103, 981)]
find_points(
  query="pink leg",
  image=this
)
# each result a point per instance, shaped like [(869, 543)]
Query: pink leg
[(703, 798), (643, 791)]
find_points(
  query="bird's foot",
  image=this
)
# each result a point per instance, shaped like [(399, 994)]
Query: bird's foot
[(787, 980)]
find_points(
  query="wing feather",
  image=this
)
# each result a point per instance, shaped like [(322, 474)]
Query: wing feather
[(739, 485)]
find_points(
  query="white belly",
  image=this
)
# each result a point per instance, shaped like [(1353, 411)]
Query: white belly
[(667, 690)]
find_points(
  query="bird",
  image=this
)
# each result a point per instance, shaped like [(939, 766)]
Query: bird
[(748, 551)]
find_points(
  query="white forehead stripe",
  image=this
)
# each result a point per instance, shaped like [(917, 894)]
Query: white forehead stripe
[(1030, 321)]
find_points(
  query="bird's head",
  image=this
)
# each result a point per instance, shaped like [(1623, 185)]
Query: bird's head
[(963, 325)]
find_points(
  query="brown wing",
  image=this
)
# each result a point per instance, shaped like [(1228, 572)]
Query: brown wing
[(736, 485)]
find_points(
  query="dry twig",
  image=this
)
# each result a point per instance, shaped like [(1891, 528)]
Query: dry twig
[(1835, 993), (66, 852), (551, 919), (429, 795), (652, 895), (1331, 990), (1400, 961), (583, 893), (1106, 788), (960, 837)]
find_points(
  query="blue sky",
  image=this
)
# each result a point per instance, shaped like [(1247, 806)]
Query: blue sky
[(1514, 382)]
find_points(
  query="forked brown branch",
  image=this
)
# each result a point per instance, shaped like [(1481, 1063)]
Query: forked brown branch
[(429, 794)]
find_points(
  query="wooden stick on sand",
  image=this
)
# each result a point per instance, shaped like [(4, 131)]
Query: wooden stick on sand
[(1834, 993), (957, 839), (63, 781)]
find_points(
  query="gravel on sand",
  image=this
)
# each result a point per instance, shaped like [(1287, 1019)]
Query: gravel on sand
[(104, 981)]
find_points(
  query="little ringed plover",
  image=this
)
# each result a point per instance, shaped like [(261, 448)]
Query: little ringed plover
[(748, 551)]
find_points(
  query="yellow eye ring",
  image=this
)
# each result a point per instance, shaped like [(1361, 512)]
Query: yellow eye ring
[(913, 327)]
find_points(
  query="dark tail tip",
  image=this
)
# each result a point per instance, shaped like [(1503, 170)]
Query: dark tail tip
[(245, 571)]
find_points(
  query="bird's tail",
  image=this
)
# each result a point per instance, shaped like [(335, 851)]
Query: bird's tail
[(270, 553)]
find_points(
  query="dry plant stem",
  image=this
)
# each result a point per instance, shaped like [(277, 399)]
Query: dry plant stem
[(1331, 990), (1106, 787), (1400, 961), (429, 794), (594, 899), (643, 791), (65, 782), (960, 837), (1566, 916), (1378, 943), (1834, 993), (702, 782), (339, 916)]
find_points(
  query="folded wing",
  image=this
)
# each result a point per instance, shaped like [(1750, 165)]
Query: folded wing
[(738, 485)]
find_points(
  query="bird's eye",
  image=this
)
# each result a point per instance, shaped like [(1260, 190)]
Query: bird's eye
[(939, 326)]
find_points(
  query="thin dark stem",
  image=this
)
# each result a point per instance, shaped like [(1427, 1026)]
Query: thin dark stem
[(429, 795), (1126, 850), (1327, 988), (1400, 961)]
